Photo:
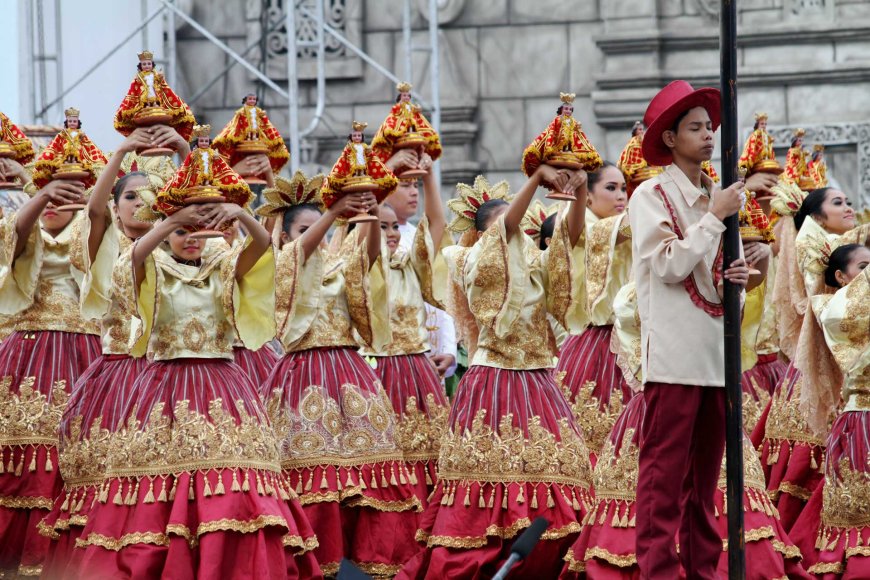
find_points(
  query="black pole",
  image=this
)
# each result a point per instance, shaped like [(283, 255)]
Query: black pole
[(731, 251)]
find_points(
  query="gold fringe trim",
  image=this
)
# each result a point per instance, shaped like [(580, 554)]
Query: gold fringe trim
[(788, 552), (26, 503), (412, 503), (826, 568), (611, 558), (224, 525), (30, 570), (754, 535), (494, 531), (574, 565), (795, 490), (45, 530), (857, 551)]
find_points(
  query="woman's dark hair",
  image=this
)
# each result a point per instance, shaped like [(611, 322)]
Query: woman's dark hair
[(293, 212), (118, 189), (547, 227), (594, 177), (839, 261), (245, 98), (811, 206), (66, 125), (484, 213)]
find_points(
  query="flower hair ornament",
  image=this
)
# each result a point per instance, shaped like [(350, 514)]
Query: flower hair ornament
[(288, 193), (159, 166), (470, 198), (535, 216), (148, 194), (787, 198)]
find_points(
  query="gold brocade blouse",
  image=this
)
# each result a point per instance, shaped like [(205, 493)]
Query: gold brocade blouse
[(416, 276), (608, 265), (845, 319), (100, 298), (511, 286), (331, 300), (40, 289), (197, 311)]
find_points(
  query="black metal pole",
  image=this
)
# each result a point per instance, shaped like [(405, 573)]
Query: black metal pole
[(731, 251)]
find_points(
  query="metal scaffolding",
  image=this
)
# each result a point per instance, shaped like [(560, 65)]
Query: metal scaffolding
[(46, 100)]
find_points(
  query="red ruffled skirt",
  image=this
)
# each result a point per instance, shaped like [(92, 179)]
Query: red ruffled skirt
[(37, 370), (758, 385), (338, 451), (90, 420), (833, 530), (513, 452), (596, 387), (421, 408), (791, 455), (257, 364), (193, 486), (606, 547)]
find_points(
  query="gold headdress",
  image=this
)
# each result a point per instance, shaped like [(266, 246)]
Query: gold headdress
[(761, 116), (863, 217), (818, 147), (469, 200), (148, 194), (71, 112), (159, 168), (535, 216), (404, 87), (291, 192), (358, 126), (787, 198), (799, 132), (145, 55), (202, 131), (567, 98)]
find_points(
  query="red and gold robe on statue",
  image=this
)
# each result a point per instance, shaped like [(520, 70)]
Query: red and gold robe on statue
[(818, 170), (149, 89), (758, 148), (563, 135), (248, 120), (358, 159), (634, 166), (68, 146), (12, 138), (405, 118), (796, 169), (202, 167)]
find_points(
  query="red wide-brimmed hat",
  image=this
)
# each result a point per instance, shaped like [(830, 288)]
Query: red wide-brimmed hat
[(673, 100)]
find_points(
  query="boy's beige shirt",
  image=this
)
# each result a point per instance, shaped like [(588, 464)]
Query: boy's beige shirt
[(681, 342)]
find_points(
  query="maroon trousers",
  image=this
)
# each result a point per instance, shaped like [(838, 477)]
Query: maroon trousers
[(683, 438)]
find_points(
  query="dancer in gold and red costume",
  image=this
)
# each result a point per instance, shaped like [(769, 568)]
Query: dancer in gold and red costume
[(631, 161), (587, 369), (832, 530), (150, 92), (416, 277), (51, 346), (791, 451), (92, 414), (333, 416), (513, 451), (69, 147), (193, 482), (249, 126), (796, 168), (405, 119)]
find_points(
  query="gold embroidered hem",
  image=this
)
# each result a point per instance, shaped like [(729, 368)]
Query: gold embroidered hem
[(595, 422), (616, 474), (30, 417), (418, 433), (30, 570), (494, 531), (371, 568), (791, 489), (192, 539), (326, 461), (412, 503), (574, 565), (826, 568), (611, 558), (846, 497), (484, 454), (788, 552), (26, 502)]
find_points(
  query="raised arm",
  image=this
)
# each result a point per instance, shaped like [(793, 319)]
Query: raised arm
[(433, 207), (576, 215), (311, 238), (58, 193), (215, 215), (102, 191), (520, 203), (146, 245)]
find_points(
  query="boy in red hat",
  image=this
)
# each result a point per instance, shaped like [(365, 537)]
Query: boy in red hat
[(676, 222)]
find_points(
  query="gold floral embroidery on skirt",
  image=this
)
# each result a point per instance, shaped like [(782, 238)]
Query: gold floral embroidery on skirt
[(418, 434), (29, 417)]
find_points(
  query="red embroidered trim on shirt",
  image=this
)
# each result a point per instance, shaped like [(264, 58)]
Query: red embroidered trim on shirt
[(711, 308)]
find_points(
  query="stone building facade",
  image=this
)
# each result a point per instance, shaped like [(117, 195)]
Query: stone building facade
[(504, 62)]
